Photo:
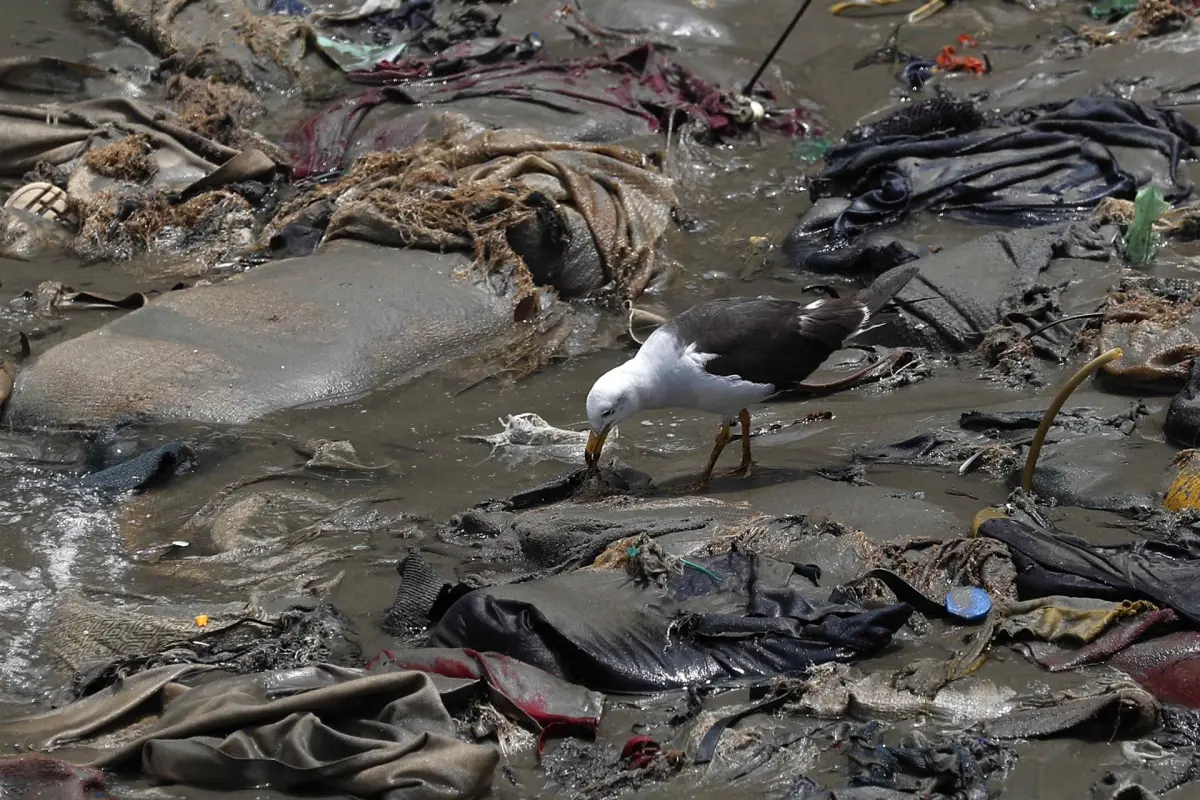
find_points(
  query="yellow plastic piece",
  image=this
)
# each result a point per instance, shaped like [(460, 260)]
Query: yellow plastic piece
[(1184, 493), (202, 621), (991, 512), (926, 11), (1055, 405), (838, 8)]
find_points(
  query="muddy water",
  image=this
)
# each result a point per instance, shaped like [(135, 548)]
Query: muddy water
[(53, 539)]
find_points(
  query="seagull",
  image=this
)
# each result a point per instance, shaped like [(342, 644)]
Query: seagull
[(725, 355)]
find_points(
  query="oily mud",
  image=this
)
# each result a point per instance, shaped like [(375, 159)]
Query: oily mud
[(196, 490)]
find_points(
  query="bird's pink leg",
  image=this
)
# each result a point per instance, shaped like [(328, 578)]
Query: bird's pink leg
[(723, 437)]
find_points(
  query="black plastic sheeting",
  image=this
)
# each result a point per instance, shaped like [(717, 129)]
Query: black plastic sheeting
[(602, 629), (1182, 424), (1038, 166), (958, 767), (1051, 563)]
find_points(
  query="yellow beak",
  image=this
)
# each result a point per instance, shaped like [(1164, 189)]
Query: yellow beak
[(591, 454)]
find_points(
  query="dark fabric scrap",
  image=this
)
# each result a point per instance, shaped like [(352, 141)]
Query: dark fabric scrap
[(1050, 563), (957, 767), (1039, 166), (712, 737), (388, 736), (420, 591), (1013, 278), (303, 634), (598, 629), (140, 472)]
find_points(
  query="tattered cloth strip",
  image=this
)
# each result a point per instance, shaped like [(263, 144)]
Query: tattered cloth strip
[(223, 39), (464, 192), (318, 727), (642, 82), (1148, 320)]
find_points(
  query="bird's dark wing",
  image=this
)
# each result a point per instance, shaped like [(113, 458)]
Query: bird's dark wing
[(767, 341)]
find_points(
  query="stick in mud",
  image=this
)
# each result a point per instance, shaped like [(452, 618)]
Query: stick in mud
[(778, 44)]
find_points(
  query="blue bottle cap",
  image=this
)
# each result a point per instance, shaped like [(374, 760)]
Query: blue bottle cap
[(968, 603)]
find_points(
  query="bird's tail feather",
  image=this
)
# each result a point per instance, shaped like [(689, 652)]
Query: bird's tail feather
[(885, 287)]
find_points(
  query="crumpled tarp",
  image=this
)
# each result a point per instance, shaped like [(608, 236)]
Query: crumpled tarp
[(389, 735), (578, 215), (1038, 166), (225, 40), (1053, 563), (1169, 666), (1125, 632), (601, 629), (61, 133), (998, 288), (643, 83)]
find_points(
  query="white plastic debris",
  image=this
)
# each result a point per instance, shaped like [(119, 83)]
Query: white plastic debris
[(528, 437)]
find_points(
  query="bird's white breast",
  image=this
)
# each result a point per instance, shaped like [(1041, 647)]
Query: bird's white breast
[(680, 381)]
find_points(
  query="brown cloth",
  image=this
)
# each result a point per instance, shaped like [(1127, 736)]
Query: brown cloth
[(387, 736), (466, 190), (224, 39)]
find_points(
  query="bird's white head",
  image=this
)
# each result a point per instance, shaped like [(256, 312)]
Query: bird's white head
[(613, 398)]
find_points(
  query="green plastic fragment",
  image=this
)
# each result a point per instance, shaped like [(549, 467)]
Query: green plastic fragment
[(1141, 241), (716, 578), (1112, 10), (355, 56), (809, 149)]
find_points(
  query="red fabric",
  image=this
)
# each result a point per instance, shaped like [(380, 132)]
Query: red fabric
[(46, 778), (640, 751), (548, 701), (951, 62), (1168, 666)]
